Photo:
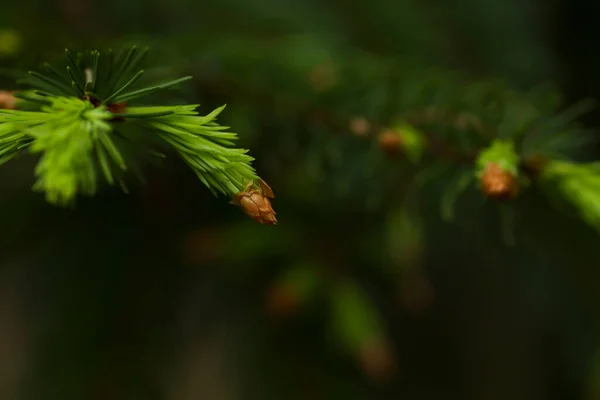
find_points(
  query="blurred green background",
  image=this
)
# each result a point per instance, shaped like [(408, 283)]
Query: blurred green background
[(168, 293)]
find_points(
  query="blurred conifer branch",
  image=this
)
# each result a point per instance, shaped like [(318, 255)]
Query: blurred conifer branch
[(80, 121), (372, 127), (510, 139)]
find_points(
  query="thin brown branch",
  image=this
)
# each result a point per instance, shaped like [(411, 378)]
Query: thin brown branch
[(460, 120), (339, 124)]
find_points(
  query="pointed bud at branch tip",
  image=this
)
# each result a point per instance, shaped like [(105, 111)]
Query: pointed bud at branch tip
[(254, 201)]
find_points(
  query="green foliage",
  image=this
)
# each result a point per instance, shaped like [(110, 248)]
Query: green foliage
[(201, 143), (355, 317), (303, 281), (67, 133), (414, 142), (452, 126), (10, 42), (502, 153), (578, 185), (297, 94), (405, 237), (460, 126), (79, 121), (459, 183), (108, 79)]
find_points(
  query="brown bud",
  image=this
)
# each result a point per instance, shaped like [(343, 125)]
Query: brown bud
[(117, 108), (377, 359), (416, 294), (7, 100), (282, 301), (499, 184), (202, 246), (390, 141), (255, 203), (323, 77), (359, 126)]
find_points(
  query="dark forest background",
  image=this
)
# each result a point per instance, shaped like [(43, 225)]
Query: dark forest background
[(170, 293)]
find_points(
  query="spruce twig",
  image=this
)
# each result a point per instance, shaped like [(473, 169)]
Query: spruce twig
[(71, 121)]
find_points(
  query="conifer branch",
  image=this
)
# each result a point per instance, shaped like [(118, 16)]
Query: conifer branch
[(77, 121), (430, 116)]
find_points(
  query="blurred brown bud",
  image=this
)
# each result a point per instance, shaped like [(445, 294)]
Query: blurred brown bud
[(117, 108), (256, 204), (202, 246), (390, 141), (282, 300), (466, 121), (499, 184), (377, 359), (359, 126), (323, 77), (7, 100), (416, 294)]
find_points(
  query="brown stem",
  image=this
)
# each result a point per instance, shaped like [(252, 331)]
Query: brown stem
[(440, 148), (460, 120), (339, 124)]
